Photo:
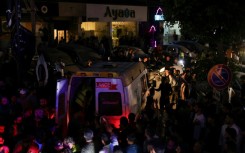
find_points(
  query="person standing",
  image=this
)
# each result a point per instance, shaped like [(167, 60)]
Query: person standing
[(230, 123), (166, 90), (33, 148), (242, 88), (174, 85), (184, 88), (149, 107), (132, 146), (107, 146), (89, 147), (199, 122), (69, 145), (5, 110), (59, 67), (102, 50), (175, 36), (3, 148), (123, 132), (58, 147)]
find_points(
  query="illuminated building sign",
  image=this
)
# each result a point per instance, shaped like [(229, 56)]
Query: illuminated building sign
[(115, 13), (108, 13), (159, 15), (152, 29)]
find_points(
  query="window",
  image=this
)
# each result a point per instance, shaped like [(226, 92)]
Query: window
[(110, 103)]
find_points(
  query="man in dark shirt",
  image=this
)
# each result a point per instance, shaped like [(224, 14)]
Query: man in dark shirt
[(166, 90)]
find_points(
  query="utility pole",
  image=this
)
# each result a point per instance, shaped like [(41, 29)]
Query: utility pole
[(33, 16)]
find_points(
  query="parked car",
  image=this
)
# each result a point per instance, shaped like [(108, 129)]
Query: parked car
[(124, 52), (176, 50), (80, 54), (192, 46)]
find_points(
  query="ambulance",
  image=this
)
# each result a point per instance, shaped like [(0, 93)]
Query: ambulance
[(108, 89)]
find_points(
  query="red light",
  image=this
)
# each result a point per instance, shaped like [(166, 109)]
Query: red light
[(110, 75), (82, 74)]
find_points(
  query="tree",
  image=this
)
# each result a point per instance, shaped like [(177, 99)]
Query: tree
[(208, 21), (22, 40)]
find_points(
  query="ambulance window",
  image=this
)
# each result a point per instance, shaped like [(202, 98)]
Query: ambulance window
[(110, 103)]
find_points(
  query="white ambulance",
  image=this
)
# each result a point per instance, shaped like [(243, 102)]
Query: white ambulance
[(108, 89)]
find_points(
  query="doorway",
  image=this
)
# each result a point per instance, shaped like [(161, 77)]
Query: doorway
[(61, 35)]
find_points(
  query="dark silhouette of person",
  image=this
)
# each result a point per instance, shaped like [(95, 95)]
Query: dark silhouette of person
[(149, 107), (175, 36), (166, 90)]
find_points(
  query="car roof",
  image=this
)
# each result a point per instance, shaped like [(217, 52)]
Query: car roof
[(183, 48), (136, 49), (127, 46), (191, 45)]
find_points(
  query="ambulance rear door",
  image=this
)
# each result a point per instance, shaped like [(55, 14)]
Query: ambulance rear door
[(110, 100), (61, 106)]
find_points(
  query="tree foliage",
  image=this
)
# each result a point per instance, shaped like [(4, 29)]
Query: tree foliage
[(209, 20)]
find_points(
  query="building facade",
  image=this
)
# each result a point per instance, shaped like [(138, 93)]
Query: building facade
[(72, 20)]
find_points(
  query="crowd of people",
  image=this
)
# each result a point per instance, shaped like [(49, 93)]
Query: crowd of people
[(195, 125), (181, 122)]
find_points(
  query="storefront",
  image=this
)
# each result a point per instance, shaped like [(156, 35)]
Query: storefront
[(67, 25), (115, 21), (71, 20)]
